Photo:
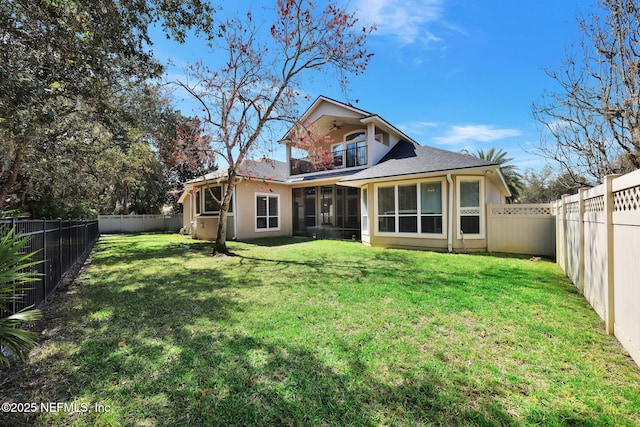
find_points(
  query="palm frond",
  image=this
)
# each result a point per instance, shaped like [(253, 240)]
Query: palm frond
[(15, 272)]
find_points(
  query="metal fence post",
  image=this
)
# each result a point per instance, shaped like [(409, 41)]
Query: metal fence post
[(12, 230), (45, 261)]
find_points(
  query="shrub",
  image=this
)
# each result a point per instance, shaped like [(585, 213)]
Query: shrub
[(14, 274)]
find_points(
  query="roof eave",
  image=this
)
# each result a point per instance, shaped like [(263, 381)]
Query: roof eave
[(315, 105), (382, 123), (409, 176)]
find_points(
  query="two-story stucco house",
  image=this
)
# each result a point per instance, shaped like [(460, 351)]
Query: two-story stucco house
[(379, 186)]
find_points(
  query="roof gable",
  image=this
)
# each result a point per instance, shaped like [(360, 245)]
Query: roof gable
[(263, 169)]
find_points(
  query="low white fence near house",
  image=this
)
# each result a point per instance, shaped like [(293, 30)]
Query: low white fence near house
[(116, 224), (522, 229), (598, 248)]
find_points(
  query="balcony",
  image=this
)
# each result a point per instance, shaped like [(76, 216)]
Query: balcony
[(337, 159)]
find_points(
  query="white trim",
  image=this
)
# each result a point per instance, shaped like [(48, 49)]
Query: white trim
[(255, 212), (364, 216), (418, 234), (202, 191), (479, 210)]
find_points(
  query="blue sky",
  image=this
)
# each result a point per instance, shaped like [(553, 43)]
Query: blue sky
[(454, 74)]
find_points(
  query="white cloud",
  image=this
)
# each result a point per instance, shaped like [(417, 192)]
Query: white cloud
[(409, 21), (416, 128), (480, 133)]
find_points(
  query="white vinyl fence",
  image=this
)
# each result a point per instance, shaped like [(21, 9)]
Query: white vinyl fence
[(117, 224), (522, 229), (598, 248)]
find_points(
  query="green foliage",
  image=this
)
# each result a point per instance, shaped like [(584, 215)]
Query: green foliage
[(77, 78), (511, 175), (548, 185), (13, 275)]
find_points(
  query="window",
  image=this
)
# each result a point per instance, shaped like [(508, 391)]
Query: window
[(470, 212), (209, 204), (267, 212), (386, 210), (352, 151), (407, 209), (365, 211), (414, 208), (431, 207)]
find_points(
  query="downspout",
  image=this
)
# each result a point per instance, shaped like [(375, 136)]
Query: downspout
[(450, 215)]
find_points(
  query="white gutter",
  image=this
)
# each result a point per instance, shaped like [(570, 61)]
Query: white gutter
[(450, 215)]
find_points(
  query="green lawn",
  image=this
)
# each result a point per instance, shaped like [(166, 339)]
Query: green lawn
[(295, 332)]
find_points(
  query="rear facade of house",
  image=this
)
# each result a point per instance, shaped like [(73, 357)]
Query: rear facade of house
[(372, 183)]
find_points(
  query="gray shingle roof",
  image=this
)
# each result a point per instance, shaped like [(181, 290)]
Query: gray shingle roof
[(408, 158), (263, 169)]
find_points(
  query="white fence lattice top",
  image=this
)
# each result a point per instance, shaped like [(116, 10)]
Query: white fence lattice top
[(522, 210), (594, 204), (627, 200)]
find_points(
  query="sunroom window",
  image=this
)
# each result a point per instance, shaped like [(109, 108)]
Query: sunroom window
[(411, 209), (386, 210), (407, 209), (365, 211), (470, 212), (431, 207)]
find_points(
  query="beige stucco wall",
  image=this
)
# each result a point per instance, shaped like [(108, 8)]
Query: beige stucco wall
[(187, 215), (246, 192), (241, 223), (206, 227)]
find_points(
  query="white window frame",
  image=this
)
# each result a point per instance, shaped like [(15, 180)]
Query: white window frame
[(255, 211), (478, 210), (364, 210), (418, 234), (205, 189)]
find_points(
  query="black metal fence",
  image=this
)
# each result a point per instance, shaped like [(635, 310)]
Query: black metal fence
[(60, 244)]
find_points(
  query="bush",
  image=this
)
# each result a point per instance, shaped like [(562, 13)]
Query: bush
[(13, 274)]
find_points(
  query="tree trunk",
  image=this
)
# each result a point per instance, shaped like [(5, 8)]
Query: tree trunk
[(11, 180), (220, 246)]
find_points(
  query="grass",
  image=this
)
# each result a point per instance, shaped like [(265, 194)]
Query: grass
[(295, 332)]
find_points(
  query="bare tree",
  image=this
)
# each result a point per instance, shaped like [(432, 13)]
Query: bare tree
[(592, 121), (258, 84)]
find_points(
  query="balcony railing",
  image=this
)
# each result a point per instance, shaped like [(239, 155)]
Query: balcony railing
[(338, 159)]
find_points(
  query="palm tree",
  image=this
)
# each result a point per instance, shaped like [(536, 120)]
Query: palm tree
[(510, 172), (14, 272)]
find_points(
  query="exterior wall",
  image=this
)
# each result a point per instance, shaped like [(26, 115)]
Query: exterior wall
[(241, 223), (376, 151), (246, 192), (206, 227), (187, 211)]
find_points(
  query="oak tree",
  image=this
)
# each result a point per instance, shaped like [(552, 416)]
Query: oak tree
[(60, 58)]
